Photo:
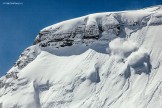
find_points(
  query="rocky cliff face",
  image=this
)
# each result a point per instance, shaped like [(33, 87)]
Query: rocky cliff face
[(95, 61)]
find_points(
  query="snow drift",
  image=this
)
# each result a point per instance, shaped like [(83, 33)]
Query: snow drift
[(103, 60)]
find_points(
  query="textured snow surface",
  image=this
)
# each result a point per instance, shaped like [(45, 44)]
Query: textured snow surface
[(103, 60)]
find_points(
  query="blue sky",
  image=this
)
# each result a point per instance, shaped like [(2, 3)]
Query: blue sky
[(19, 24)]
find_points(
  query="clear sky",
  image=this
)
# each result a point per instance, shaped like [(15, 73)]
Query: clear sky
[(20, 23)]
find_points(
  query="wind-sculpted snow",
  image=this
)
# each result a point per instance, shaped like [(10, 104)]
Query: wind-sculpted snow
[(103, 60)]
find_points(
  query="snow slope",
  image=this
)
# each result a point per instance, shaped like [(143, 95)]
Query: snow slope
[(102, 60)]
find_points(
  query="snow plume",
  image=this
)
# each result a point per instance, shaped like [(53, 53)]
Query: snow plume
[(135, 59), (122, 47)]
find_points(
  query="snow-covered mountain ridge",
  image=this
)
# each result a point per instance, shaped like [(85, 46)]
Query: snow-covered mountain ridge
[(103, 60)]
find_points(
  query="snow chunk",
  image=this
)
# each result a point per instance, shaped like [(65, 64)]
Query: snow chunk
[(137, 57), (93, 75), (139, 61)]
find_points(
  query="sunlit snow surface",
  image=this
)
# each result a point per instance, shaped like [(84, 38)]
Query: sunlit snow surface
[(103, 60)]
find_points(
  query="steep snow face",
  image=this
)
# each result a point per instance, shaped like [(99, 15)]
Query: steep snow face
[(103, 60)]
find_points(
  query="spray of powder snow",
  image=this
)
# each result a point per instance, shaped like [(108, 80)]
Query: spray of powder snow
[(122, 47)]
